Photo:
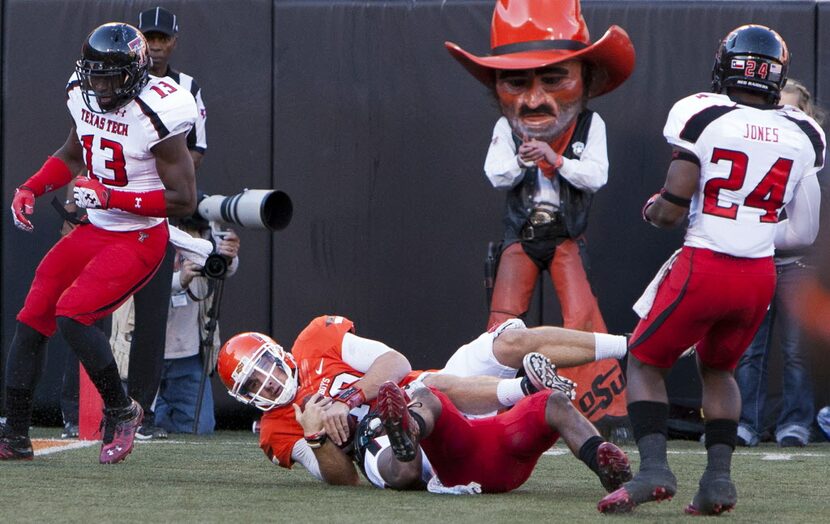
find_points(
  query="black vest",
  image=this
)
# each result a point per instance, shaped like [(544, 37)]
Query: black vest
[(574, 204)]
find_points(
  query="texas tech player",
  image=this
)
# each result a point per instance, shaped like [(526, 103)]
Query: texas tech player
[(129, 134), (738, 160)]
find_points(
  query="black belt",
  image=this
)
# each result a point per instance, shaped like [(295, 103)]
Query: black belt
[(544, 224)]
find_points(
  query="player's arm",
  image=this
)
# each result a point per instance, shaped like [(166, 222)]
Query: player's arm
[(378, 363), (197, 158), (175, 169), (800, 229), (71, 152), (330, 463), (56, 172), (670, 206)]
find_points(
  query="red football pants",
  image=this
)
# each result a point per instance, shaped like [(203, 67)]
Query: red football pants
[(498, 452), (89, 273), (710, 299)]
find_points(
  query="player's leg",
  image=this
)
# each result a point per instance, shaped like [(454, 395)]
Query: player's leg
[(122, 264), (655, 345), (27, 356), (718, 355), (564, 347), (721, 403), (27, 353), (605, 459)]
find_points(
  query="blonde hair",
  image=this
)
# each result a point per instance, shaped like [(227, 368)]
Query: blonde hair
[(805, 100)]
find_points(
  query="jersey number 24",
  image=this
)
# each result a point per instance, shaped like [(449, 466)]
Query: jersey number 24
[(767, 195)]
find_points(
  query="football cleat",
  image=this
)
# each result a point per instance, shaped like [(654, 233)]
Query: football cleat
[(120, 426), (713, 497), (614, 468), (401, 428), (14, 447), (542, 375), (647, 486)]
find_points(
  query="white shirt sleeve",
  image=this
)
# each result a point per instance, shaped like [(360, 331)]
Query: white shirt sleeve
[(360, 353), (801, 226), (303, 454), (201, 119), (590, 172), (502, 164)]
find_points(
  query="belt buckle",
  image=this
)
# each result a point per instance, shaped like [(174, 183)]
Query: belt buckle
[(540, 218)]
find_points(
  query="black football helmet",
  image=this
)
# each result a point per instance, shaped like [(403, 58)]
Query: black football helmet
[(114, 66), (752, 57)]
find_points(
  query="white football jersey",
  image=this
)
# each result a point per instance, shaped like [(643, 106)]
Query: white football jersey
[(117, 144), (751, 161)]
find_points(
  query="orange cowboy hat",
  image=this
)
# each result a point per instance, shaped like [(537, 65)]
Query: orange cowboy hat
[(528, 34)]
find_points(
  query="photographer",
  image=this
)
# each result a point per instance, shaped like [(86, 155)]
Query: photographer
[(192, 300)]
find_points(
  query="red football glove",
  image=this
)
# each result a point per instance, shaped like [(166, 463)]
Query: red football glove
[(90, 193), (649, 203), (23, 204)]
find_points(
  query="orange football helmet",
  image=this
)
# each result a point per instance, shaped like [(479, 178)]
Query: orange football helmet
[(256, 370)]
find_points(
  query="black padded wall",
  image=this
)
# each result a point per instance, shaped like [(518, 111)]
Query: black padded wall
[(358, 112)]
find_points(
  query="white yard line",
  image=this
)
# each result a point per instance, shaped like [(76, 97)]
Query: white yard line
[(765, 455)]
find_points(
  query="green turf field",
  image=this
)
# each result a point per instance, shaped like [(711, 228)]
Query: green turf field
[(225, 478)]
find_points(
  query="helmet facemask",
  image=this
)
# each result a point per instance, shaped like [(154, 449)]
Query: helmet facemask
[(267, 379), (115, 66)]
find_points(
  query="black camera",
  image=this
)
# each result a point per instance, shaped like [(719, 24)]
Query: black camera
[(216, 266)]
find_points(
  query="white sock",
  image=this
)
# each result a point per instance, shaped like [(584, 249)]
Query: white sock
[(610, 346), (509, 391)]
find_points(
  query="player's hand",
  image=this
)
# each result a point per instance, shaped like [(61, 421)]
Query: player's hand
[(649, 203), (90, 193), (310, 417), (23, 204), (336, 422)]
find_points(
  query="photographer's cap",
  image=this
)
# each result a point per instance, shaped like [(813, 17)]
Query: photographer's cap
[(158, 20)]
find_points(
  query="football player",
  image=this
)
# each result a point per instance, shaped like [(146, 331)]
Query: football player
[(331, 373), (129, 133), (738, 160), (493, 454)]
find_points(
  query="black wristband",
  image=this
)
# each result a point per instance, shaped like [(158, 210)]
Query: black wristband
[(674, 199), (317, 440), (685, 155)]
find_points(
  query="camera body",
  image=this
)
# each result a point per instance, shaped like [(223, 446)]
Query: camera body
[(216, 266)]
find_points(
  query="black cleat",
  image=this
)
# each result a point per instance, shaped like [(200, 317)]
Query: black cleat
[(647, 486), (14, 447), (714, 496)]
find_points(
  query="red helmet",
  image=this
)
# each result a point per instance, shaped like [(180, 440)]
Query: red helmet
[(256, 370)]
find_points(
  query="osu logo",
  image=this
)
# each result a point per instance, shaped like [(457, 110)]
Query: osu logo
[(603, 390)]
